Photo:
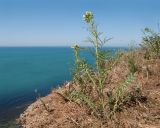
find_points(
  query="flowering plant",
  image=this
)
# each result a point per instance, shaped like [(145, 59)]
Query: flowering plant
[(88, 16), (90, 79)]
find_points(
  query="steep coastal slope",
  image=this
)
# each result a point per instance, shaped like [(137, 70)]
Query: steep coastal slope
[(65, 113)]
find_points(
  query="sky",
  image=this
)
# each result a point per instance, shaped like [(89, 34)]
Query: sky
[(60, 22)]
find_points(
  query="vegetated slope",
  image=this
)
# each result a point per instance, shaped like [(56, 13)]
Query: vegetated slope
[(143, 111)]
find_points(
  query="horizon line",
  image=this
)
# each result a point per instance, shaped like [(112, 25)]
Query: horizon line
[(55, 46)]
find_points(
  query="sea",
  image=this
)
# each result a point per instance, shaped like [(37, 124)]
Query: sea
[(26, 69)]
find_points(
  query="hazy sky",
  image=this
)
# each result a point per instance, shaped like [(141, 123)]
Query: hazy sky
[(59, 22)]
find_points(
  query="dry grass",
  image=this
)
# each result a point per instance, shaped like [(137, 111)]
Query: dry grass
[(144, 113)]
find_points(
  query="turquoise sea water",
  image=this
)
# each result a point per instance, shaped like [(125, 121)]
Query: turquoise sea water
[(24, 69)]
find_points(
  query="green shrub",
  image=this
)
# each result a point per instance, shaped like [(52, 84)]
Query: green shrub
[(151, 44)]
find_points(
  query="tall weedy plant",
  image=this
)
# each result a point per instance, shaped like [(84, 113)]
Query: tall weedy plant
[(100, 56), (91, 78)]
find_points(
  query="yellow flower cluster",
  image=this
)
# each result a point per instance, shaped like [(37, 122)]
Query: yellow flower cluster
[(88, 16)]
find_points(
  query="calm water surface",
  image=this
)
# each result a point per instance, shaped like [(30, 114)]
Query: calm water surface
[(24, 69)]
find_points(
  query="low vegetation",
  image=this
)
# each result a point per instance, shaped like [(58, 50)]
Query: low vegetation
[(151, 44)]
